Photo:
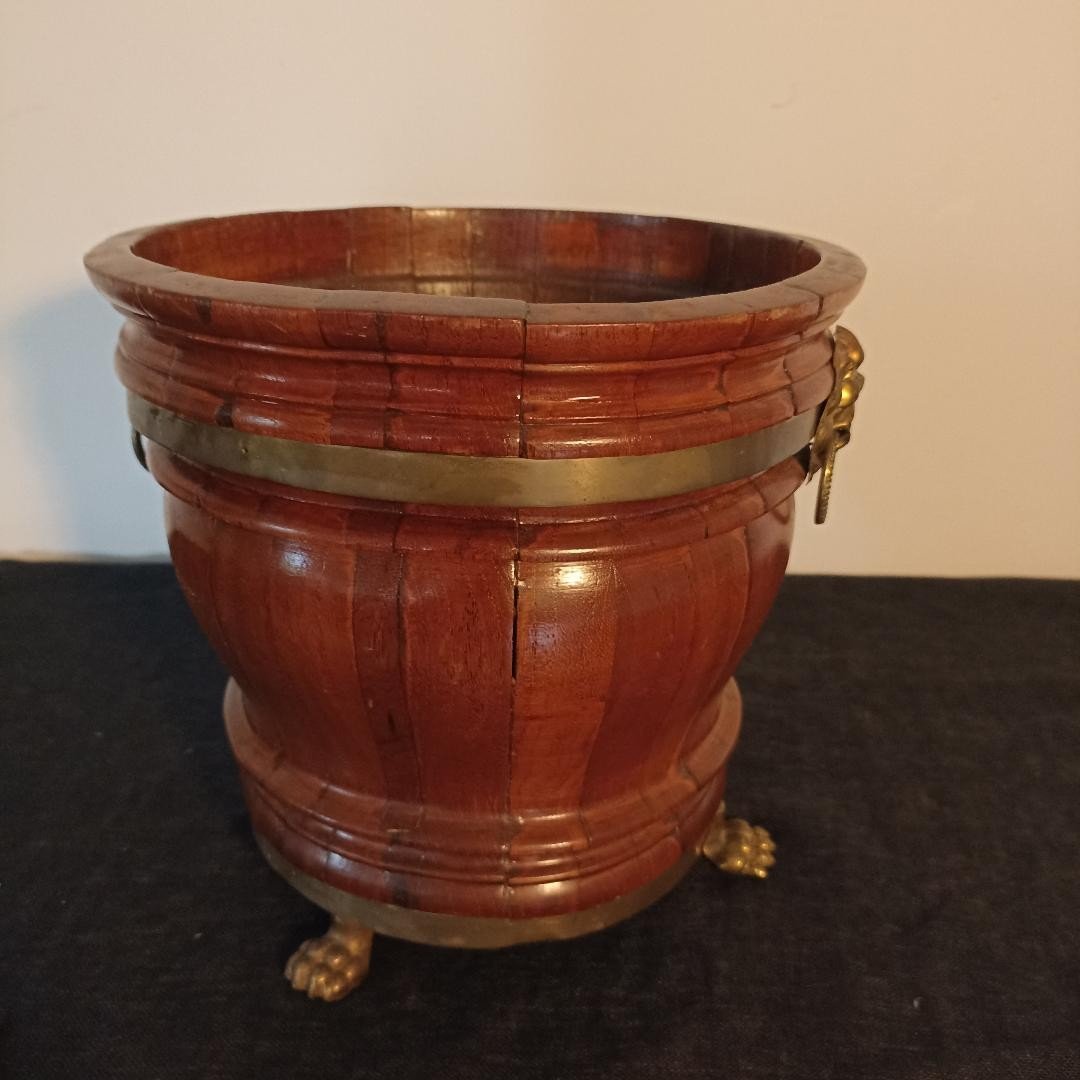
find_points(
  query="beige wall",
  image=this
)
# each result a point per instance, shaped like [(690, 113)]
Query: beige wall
[(938, 140)]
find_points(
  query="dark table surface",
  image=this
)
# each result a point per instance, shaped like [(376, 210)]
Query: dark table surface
[(914, 746)]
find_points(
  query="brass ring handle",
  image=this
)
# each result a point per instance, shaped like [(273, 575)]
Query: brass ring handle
[(834, 428)]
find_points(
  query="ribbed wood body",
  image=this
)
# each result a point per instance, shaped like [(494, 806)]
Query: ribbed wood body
[(500, 713), (479, 711)]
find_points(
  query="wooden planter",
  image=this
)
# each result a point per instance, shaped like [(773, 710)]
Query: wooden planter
[(481, 509)]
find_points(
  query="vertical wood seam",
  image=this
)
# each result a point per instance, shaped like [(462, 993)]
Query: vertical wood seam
[(402, 665)]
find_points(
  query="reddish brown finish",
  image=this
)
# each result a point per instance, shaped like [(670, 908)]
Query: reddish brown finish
[(478, 711), (437, 368)]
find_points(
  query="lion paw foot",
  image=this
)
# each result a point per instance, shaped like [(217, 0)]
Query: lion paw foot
[(738, 847), (328, 967)]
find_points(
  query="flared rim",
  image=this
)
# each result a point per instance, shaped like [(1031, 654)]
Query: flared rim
[(143, 286)]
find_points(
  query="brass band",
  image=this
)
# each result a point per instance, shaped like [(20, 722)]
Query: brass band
[(472, 931), (459, 480)]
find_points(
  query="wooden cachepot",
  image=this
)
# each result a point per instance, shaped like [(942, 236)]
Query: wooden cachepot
[(481, 509)]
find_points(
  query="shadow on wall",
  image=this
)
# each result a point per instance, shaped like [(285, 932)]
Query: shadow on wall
[(70, 415)]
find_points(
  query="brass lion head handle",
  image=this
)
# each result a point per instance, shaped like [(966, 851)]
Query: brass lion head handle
[(834, 428)]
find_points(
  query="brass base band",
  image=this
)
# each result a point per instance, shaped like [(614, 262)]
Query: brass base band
[(459, 480), (469, 931)]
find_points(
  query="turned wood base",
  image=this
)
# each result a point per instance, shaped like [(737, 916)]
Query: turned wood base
[(454, 884), (329, 967), (492, 868), (472, 932)]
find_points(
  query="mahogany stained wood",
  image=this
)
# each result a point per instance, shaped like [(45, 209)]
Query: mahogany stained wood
[(478, 711), (518, 333)]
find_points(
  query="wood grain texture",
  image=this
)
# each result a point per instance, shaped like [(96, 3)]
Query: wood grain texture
[(462, 703), (495, 712), (493, 332)]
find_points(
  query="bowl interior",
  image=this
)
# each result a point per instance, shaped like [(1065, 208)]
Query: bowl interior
[(533, 255)]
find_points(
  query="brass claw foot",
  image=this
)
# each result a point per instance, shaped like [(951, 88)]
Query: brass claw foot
[(738, 847), (328, 967)]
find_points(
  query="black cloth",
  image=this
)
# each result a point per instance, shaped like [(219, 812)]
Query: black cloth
[(913, 746)]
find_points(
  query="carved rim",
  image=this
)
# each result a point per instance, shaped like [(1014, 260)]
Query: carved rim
[(143, 286)]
